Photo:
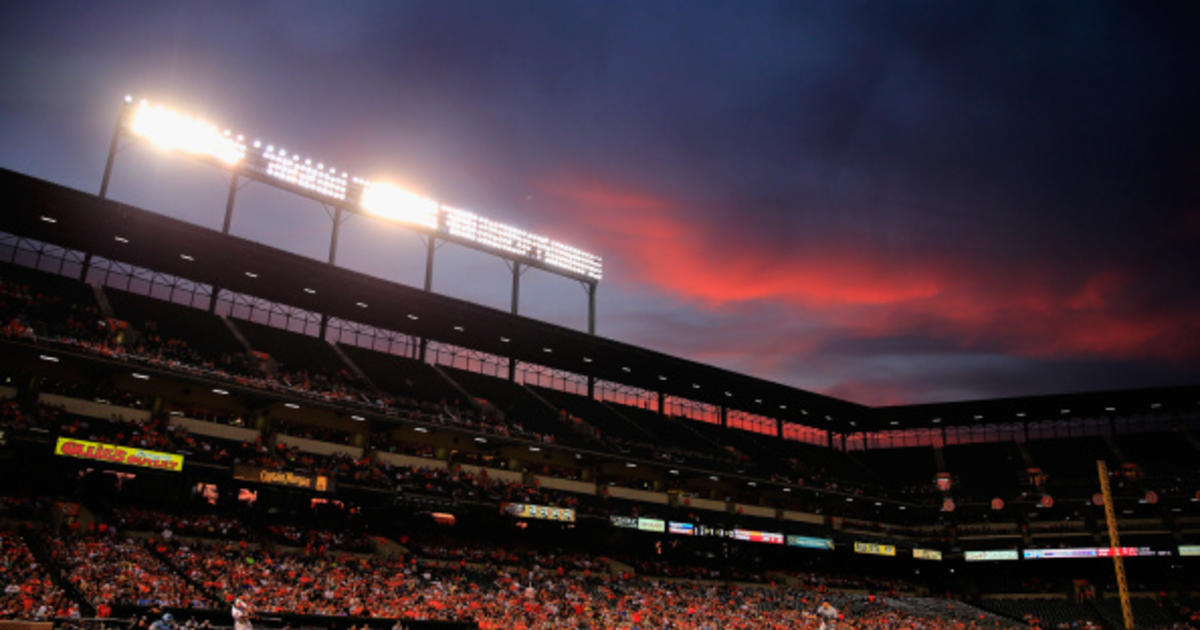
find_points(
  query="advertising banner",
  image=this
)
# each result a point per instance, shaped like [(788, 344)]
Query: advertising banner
[(652, 525), (1081, 552), (927, 554), (540, 512), (112, 454), (751, 535), (683, 529), (628, 522), (990, 554), (874, 549), (304, 481), (808, 542)]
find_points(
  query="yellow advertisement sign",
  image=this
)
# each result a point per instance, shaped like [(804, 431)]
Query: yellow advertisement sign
[(113, 454), (874, 549), (926, 554)]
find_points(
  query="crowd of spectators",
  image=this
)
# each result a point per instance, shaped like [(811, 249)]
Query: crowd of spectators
[(28, 591), (318, 541), (537, 594), (201, 525), (110, 569)]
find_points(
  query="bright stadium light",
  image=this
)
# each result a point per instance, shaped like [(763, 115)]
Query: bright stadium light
[(257, 159), (174, 131), (389, 202)]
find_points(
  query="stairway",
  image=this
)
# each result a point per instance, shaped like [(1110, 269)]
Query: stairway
[(237, 333), (580, 426), (486, 409), (39, 546), (148, 543), (351, 364), (102, 300)]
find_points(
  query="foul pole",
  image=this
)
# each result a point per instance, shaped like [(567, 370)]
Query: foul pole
[(1114, 542)]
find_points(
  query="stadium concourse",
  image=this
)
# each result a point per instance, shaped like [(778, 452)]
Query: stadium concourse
[(178, 435)]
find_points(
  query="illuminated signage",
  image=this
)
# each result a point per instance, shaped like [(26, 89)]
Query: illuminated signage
[(809, 542), (628, 522), (1189, 550), (926, 554), (112, 454), (1038, 554), (540, 512), (318, 483), (874, 549), (718, 532), (1094, 552), (652, 525), (684, 529), (751, 535), (989, 555)]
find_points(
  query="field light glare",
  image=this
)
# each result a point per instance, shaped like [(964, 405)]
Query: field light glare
[(389, 202), (171, 130), (174, 131)]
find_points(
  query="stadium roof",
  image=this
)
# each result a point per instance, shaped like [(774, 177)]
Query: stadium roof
[(85, 222)]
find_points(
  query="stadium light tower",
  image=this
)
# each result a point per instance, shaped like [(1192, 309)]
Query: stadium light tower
[(342, 195)]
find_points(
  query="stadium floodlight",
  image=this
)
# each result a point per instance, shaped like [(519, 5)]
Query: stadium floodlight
[(247, 156), (390, 202), (174, 131)]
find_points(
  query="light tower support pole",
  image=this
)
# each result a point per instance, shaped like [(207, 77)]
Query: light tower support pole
[(516, 285), (113, 147), (591, 291), (333, 235), (431, 246), (1114, 542), (229, 201)]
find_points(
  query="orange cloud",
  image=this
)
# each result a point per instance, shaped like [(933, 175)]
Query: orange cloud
[(1000, 305)]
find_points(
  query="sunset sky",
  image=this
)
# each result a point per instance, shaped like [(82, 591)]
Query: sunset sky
[(885, 201)]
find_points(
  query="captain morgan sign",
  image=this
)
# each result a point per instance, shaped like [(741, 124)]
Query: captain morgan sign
[(112, 454)]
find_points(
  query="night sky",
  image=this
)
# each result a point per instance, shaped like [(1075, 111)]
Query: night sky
[(885, 201)]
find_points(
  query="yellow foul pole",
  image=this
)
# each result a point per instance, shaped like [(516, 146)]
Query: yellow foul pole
[(1110, 515)]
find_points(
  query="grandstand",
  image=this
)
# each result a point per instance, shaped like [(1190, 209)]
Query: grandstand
[(189, 417)]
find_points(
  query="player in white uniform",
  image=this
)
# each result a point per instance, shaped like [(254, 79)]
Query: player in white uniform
[(241, 614), (828, 615)]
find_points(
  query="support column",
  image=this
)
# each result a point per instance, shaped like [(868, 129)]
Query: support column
[(516, 286), (233, 187), (591, 387), (87, 263), (431, 246), (591, 291), (724, 416), (662, 407), (333, 237), (112, 153), (516, 297)]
